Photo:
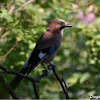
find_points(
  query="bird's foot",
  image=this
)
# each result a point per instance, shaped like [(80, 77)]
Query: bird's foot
[(46, 71), (51, 65)]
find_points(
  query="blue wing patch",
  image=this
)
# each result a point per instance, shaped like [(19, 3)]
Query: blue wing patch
[(52, 49)]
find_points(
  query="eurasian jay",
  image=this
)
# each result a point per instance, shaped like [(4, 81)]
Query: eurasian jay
[(45, 50)]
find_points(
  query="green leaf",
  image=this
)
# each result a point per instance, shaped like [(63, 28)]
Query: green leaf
[(74, 79), (86, 76)]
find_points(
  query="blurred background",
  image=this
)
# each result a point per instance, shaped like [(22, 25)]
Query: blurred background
[(22, 22)]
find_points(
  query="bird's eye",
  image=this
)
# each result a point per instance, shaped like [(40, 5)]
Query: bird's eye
[(61, 23)]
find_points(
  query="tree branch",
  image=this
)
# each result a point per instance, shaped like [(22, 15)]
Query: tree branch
[(35, 90), (12, 7), (64, 87), (22, 75), (17, 73), (0, 29), (26, 3), (7, 88), (51, 66), (90, 3), (10, 50), (11, 92)]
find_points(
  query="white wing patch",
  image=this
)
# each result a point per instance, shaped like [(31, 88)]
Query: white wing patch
[(41, 55)]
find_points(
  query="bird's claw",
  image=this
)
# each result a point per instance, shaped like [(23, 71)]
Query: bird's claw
[(51, 65), (46, 71)]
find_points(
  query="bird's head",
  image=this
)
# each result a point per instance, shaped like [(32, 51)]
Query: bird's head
[(57, 24)]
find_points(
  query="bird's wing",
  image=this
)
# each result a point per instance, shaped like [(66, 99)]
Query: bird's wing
[(38, 55)]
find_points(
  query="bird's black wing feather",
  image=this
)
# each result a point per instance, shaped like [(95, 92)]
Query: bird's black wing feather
[(35, 60)]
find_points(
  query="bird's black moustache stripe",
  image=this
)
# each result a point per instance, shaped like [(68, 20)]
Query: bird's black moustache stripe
[(62, 27)]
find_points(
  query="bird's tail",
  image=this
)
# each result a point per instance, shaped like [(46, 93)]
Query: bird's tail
[(27, 68), (18, 78)]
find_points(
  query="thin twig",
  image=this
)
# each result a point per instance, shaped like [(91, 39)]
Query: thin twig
[(12, 93), (5, 34), (26, 3), (10, 11), (90, 3), (35, 90), (0, 29), (12, 7), (63, 87), (17, 73), (10, 50), (86, 3), (24, 76), (42, 75), (8, 88)]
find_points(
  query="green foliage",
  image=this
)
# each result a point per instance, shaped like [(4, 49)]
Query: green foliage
[(78, 59), (3, 88)]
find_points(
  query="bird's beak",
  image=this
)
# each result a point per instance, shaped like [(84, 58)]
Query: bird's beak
[(68, 25)]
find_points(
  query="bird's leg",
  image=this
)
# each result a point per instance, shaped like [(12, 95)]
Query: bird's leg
[(51, 65), (45, 68)]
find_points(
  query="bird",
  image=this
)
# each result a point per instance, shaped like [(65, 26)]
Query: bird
[(45, 50)]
